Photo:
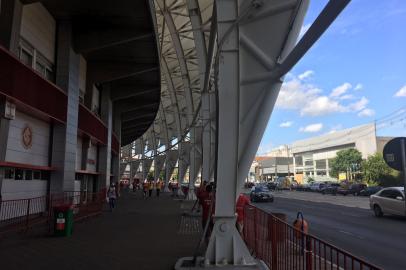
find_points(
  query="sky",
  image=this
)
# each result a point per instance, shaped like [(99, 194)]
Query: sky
[(353, 75)]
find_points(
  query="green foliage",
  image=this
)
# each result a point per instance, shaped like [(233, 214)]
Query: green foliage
[(150, 176), (348, 161), (375, 168), (310, 180)]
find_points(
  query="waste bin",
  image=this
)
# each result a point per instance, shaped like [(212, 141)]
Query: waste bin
[(63, 220)]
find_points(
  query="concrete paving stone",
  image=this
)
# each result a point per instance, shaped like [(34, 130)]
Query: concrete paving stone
[(140, 234)]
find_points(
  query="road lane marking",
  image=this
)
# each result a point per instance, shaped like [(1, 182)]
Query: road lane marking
[(351, 234)]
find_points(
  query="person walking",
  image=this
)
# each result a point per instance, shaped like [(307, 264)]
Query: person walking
[(112, 196), (158, 187), (150, 188), (145, 189)]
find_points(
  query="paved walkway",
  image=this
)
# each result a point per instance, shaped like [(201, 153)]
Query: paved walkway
[(139, 234)]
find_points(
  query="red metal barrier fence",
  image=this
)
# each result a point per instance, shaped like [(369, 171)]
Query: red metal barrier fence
[(281, 246), (25, 213)]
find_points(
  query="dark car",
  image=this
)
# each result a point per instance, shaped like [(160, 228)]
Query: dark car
[(271, 185), (249, 184), (330, 189), (370, 190), (261, 194), (354, 189)]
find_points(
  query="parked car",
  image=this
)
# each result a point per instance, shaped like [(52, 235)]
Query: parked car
[(388, 201), (370, 190), (303, 187), (261, 193), (354, 189), (317, 186), (271, 185), (330, 188), (249, 184)]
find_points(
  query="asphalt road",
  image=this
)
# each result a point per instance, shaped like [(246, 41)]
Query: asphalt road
[(381, 241)]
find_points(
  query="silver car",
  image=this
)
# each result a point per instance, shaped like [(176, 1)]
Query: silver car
[(388, 201)]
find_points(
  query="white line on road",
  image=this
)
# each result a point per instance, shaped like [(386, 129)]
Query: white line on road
[(351, 234)]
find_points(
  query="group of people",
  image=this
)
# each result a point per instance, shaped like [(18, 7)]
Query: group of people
[(149, 186), (206, 199)]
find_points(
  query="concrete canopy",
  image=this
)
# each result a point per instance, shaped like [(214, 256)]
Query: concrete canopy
[(119, 45)]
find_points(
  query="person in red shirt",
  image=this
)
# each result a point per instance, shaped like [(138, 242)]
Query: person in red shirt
[(242, 201)]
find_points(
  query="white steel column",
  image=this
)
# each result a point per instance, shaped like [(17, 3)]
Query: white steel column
[(226, 245), (170, 162)]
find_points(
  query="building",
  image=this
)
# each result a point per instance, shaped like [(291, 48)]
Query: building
[(270, 167), (73, 77), (312, 156)]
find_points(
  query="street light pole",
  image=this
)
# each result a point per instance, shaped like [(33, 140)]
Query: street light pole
[(403, 149)]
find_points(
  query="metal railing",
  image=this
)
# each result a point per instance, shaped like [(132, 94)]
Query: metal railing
[(282, 246), (23, 214)]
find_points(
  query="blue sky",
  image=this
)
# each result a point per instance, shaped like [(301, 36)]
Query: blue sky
[(354, 74)]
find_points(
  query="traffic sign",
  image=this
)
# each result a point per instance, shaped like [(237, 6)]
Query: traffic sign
[(392, 153)]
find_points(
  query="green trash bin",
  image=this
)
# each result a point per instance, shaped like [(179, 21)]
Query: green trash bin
[(63, 220)]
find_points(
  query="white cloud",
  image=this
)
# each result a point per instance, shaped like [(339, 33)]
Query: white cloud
[(312, 128), (286, 124), (340, 90), (306, 74), (309, 100), (401, 92), (303, 30), (366, 113), (345, 97), (359, 105), (294, 94), (359, 86), (321, 105)]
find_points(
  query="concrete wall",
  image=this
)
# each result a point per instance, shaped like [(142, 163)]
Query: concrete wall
[(38, 27), (38, 153), (21, 189)]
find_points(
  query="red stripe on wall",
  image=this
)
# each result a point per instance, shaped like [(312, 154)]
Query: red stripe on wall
[(90, 124), (22, 83), (25, 166)]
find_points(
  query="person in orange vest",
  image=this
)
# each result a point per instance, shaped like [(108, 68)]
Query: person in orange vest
[(145, 188), (158, 187), (241, 203), (150, 187)]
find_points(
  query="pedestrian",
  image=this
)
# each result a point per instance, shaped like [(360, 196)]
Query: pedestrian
[(150, 187), (241, 203), (111, 195), (158, 187), (145, 188)]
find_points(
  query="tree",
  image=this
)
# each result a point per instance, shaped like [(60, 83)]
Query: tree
[(348, 161), (376, 171), (375, 168)]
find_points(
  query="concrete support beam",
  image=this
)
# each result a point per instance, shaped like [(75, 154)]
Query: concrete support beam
[(105, 155), (65, 135)]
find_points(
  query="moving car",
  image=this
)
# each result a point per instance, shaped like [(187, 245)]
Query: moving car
[(261, 194), (354, 189), (388, 201), (370, 190), (330, 188)]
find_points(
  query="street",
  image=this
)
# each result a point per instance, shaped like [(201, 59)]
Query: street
[(354, 228)]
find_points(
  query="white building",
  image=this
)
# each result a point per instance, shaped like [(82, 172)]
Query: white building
[(311, 156)]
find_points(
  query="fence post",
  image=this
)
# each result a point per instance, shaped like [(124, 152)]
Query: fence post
[(274, 248), (308, 252), (28, 214)]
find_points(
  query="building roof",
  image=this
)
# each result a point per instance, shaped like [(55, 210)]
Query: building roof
[(338, 138)]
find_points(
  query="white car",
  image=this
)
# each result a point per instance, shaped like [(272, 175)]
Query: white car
[(388, 201)]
